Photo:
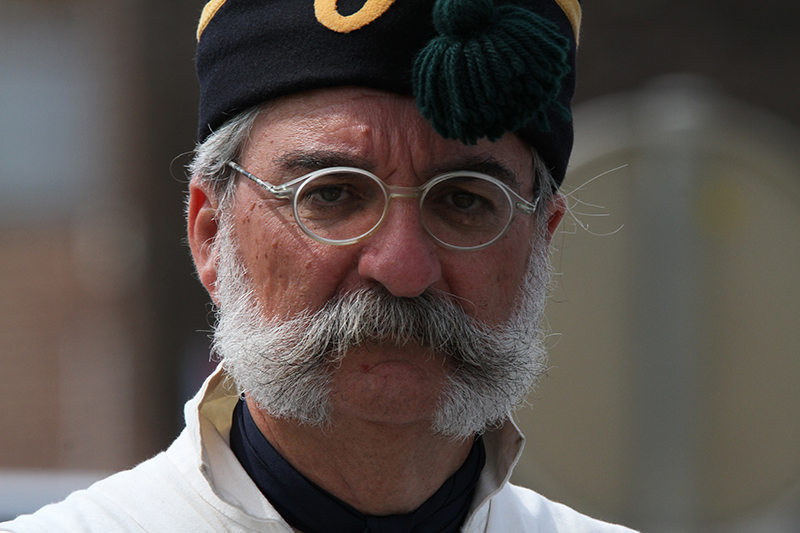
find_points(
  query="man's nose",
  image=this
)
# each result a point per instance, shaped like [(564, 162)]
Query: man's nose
[(401, 255)]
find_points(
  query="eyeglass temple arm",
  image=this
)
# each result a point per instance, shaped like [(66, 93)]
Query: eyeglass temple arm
[(277, 191), (525, 206)]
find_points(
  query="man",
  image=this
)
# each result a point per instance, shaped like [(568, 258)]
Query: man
[(379, 265)]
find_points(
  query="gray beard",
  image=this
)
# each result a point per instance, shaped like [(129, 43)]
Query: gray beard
[(286, 365)]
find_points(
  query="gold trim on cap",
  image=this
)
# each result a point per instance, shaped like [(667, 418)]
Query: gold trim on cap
[(572, 8), (328, 16), (326, 13), (209, 11)]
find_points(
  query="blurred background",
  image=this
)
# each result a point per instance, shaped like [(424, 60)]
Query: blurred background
[(673, 399)]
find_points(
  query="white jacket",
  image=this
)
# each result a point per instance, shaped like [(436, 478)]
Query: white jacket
[(198, 485)]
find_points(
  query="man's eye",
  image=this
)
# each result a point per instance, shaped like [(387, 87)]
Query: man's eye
[(464, 200), (330, 193)]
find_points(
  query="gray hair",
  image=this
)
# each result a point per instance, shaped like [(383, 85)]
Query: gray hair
[(211, 157), (210, 163)]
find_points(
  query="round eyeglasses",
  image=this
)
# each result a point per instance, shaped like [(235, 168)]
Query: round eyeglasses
[(461, 210)]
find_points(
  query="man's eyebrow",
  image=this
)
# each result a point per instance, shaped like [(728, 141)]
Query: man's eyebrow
[(485, 165), (308, 161)]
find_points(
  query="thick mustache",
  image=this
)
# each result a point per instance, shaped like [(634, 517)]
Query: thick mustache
[(373, 315)]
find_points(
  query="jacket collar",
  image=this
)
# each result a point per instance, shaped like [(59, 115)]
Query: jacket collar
[(208, 422)]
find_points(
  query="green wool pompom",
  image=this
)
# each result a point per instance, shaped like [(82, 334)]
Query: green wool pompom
[(490, 71)]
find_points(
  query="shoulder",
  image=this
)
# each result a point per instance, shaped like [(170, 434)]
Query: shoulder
[(127, 501), (105, 506), (519, 509), (165, 493)]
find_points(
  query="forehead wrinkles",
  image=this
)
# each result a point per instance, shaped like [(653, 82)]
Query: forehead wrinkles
[(384, 131), (379, 124), (389, 131), (391, 135)]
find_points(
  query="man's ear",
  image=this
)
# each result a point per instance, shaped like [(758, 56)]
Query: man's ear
[(555, 212), (202, 232)]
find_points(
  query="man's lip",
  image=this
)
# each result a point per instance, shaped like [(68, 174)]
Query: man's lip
[(367, 367)]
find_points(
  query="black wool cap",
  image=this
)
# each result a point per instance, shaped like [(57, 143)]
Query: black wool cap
[(478, 68)]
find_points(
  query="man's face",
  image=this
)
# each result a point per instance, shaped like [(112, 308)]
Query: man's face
[(290, 274), (385, 134)]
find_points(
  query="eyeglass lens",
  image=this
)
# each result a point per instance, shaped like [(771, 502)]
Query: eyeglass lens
[(462, 211)]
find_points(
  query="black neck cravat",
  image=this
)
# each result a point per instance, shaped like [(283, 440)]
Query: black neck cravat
[(310, 509)]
